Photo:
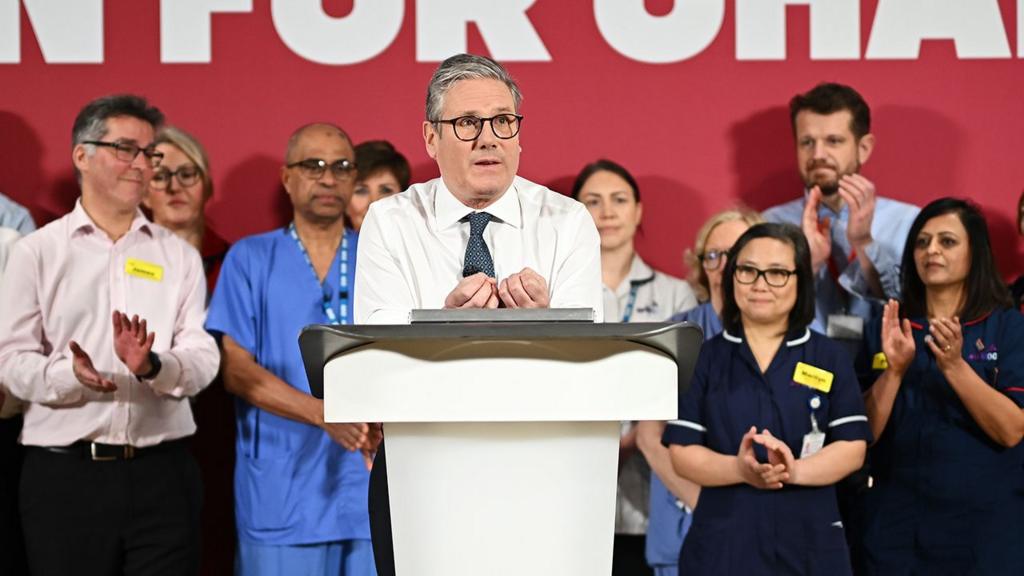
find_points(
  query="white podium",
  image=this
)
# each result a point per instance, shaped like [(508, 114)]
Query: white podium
[(502, 438)]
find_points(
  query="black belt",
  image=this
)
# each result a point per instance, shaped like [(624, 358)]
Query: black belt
[(106, 452)]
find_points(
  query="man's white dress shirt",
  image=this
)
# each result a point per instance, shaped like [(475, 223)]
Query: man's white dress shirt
[(412, 246)]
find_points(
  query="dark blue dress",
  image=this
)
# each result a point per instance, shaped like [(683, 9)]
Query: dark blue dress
[(740, 529), (946, 498)]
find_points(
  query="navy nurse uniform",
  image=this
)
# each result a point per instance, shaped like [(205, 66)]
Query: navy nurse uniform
[(740, 529), (947, 499)]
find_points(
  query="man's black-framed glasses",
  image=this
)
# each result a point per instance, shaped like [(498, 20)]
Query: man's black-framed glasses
[(127, 151), (774, 277), (315, 168), (468, 128), (187, 175)]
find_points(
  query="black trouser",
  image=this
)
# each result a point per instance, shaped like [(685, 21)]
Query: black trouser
[(628, 558), (12, 549), (380, 516), (131, 517)]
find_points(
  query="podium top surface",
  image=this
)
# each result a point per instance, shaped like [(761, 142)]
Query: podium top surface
[(320, 343)]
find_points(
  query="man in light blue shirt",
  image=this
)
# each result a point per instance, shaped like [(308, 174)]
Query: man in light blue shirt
[(300, 482), (15, 216), (856, 237)]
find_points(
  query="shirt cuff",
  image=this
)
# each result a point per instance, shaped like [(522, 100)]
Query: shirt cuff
[(166, 381), (62, 386)]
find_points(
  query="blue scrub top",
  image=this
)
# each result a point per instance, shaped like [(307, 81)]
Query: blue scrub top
[(740, 529), (293, 484), (947, 499)]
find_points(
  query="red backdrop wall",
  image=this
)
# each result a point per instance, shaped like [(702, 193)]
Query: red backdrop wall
[(700, 133)]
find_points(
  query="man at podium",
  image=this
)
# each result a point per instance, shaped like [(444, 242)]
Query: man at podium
[(477, 237)]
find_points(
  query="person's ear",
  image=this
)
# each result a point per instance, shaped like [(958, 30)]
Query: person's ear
[(865, 146), (430, 138)]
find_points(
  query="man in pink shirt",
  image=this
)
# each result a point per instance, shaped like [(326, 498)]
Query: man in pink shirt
[(101, 334)]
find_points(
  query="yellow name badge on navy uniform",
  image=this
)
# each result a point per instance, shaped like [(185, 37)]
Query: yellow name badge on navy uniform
[(879, 361), (143, 269), (813, 377)]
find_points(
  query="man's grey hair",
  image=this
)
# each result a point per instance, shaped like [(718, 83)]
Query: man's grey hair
[(465, 67), (91, 122)]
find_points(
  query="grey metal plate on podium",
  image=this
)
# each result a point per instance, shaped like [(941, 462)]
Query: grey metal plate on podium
[(319, 343), (461, 316)]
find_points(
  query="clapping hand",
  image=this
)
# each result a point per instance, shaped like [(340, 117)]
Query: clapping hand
[(86, 373), (897, 339), (818, 234), (132, 342), (780, 457), (859, 194), (766, 476), (946, 342)]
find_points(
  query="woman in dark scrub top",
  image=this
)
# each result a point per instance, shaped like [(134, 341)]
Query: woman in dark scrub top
[(946, 391), (772, 420)]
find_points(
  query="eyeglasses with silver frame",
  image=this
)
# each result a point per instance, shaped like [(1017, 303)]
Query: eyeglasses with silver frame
[(315, 168), (713, 259)]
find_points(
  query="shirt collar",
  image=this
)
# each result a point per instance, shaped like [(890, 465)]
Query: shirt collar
[(922, 323), (825, 207), (639, 273), (792, 339), (449, 210), (81, 221)]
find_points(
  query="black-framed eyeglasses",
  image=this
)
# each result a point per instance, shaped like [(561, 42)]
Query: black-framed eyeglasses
[(468, 128), (314, 168), (713, 259), (774, 277), (128, 151), (187, 175)]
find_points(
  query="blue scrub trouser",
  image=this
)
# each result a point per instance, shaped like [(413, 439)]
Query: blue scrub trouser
[(343, 558)]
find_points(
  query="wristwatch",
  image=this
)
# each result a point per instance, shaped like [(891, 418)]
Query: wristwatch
[(154, 362)]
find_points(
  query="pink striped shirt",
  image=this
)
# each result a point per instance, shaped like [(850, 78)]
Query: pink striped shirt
[(63, 283)]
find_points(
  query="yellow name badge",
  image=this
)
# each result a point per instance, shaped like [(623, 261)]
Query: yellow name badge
[(879, 361), (143, 269), (813, 377)]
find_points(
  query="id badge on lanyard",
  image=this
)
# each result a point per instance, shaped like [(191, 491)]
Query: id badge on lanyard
[(814, 440)]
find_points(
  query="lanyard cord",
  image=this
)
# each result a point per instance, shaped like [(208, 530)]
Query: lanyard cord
[(634, 287), (342, 315)]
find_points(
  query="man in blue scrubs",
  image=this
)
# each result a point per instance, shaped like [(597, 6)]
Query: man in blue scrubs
[(300, 483)]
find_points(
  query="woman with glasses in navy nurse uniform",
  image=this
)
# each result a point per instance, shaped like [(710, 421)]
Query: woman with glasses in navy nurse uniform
[(945, 372), (772, 420)]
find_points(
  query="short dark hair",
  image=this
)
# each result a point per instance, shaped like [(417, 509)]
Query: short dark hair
[(91, 122), (984, 288), (604, 165), (802, 313), (380, 156), (829, 98)]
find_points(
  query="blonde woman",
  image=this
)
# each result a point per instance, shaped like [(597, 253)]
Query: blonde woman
[(178, 194)]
